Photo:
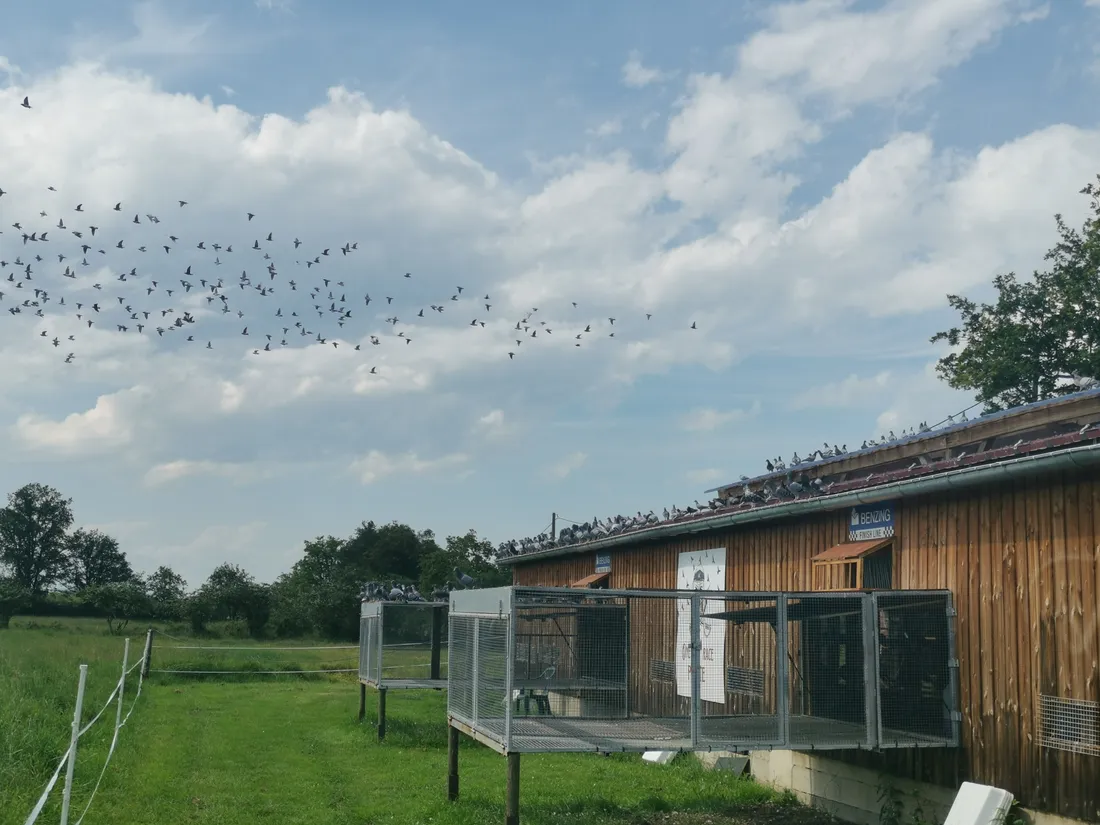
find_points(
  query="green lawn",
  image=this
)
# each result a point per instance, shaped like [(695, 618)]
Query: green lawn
[(252, 749)]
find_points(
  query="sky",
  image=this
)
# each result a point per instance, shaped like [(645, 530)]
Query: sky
[(773, 201)]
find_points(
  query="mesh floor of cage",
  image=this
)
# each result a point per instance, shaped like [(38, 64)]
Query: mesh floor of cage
[(564, 734)]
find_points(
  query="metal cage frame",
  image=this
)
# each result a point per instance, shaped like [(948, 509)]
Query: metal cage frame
[(494, 610), (372, 659)]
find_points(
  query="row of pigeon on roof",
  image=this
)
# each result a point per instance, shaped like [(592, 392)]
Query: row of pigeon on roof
[(397, 592), (783, 484)]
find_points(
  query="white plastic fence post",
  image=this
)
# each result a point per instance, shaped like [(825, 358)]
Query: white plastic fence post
[(72, 746), (122, 683)]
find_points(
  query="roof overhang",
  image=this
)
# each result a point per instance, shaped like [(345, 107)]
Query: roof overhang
[(964, 477), (592, 580), (852, 550)]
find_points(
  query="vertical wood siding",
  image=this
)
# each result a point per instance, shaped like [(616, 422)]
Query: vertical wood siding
[(1023, 563)]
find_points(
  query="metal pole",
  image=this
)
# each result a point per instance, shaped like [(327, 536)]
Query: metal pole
[(67, 796), (381, 714), (148, 653), (782, 674), (437, 641), (452, 763), (511, 804), (553, 526), (362, 701), (696, 681), (122, 683)]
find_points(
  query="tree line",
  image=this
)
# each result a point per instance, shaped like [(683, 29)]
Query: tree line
[(47, 567)]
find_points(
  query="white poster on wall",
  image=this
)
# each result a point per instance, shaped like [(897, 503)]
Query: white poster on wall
[(701, 570)]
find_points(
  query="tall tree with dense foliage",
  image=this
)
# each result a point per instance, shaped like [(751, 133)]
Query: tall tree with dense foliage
[(33, 530), (1041, 336), (167, 590), (94, 558)]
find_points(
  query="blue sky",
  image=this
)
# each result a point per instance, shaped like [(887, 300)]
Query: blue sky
[(805, 181)]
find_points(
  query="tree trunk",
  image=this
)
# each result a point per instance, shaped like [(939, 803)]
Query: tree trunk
[(4, 621)]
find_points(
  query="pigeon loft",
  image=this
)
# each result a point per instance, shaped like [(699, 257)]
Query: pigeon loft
[(552, 669), (402, 646)]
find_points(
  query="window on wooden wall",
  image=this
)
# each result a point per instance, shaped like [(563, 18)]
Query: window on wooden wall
[(855, 565)]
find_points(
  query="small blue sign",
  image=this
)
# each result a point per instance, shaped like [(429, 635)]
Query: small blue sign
[(603, 562), (872, 521)]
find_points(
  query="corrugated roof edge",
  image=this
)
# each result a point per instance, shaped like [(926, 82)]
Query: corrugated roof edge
[(1086, 456), (911, 439)]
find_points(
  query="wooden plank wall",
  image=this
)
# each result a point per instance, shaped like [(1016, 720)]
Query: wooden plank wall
[(1023, 562)]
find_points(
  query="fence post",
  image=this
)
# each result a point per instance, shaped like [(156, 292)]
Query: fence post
[(148, 653), (122, 683), (67, 795)]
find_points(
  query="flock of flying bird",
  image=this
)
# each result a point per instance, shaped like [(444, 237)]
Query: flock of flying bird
[(116, 256), (103, 271)]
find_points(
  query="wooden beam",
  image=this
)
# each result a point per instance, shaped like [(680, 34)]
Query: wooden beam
[(452, 763), (511, 804)]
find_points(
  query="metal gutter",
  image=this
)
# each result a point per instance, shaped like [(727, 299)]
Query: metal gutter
[(1085, 456)]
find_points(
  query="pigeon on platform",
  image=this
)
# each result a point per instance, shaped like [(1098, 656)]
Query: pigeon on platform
[(463, 579)]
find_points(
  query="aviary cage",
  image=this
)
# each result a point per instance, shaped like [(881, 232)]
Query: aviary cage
[(402, 646), (536, 669)]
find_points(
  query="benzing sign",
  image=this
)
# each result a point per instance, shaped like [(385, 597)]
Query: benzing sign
[(603, 562), (872, 521)]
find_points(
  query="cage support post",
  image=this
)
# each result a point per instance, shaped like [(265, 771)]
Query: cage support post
[(511, 802), (437, 640), (381, 714), (452, 763), (362, 701)]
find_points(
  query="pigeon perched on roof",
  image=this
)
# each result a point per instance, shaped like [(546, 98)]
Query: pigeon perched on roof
[(463, 579)]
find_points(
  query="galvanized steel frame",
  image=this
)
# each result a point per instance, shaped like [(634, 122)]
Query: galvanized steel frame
[(501, 604)]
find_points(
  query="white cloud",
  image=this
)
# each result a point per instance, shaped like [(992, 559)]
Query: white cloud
[(875, 55), (103, 428), (852, 391), (707, 475), (376, 465), (494, 425), (636, 75), (170, 471), (708, 419), (607, 128), (567, 465)]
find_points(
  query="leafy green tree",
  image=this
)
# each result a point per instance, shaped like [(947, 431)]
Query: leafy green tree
[(473, 556), (1040, 337), (93, 559), (167, 590), (119, 602), (13, 598), (33, 534)]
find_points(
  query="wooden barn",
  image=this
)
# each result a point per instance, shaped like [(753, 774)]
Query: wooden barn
[(1004, 512)]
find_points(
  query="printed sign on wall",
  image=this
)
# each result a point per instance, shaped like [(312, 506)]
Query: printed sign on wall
[(872, 521), (603, 562), (701, 570)]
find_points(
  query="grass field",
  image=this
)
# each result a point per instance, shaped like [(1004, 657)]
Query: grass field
[(289, 749)]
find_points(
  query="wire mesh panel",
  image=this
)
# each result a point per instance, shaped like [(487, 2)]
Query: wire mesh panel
[(370, 629), (403, 644), (830, 666), (740, 671), (917, 674), (562, 669), (460, 667)]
